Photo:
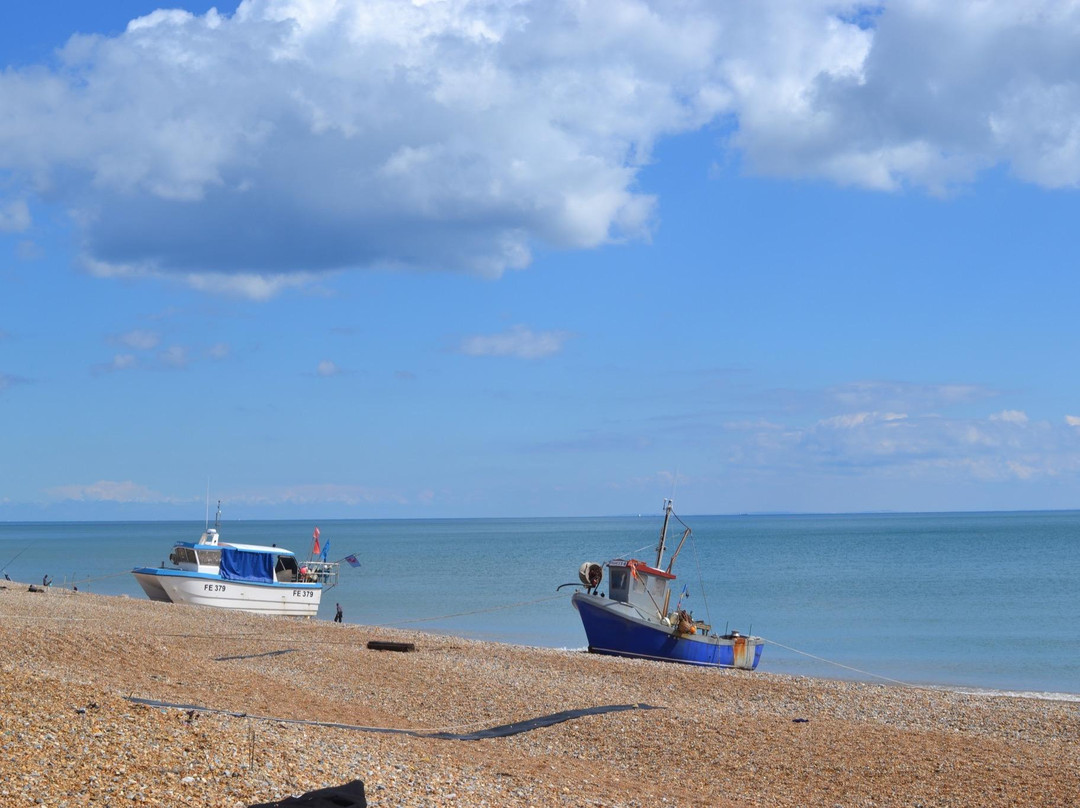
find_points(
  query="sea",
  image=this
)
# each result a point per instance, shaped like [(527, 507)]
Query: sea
[(966, 601)]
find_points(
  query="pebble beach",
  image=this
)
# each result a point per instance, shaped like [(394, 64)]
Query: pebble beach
[(259, 694)]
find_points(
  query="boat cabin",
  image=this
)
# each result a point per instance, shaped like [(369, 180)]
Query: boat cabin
[(640, 585), (242, 562)]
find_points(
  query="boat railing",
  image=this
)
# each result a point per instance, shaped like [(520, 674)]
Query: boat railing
[(322, 572)]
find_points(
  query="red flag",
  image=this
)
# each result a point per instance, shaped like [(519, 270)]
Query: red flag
[(315, 550)]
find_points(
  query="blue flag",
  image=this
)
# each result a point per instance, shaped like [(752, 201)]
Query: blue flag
[(352, 561), (325, 549)]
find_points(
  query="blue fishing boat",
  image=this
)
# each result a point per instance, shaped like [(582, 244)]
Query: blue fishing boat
[(634, 619)]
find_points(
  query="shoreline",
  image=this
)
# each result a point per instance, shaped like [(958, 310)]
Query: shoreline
[(867, 676), (70, 736)]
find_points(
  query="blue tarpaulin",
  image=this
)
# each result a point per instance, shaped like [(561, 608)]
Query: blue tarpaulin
[(242, 565)]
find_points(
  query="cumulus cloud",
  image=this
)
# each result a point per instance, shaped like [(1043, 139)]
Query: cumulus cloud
[(327, 368), (519, 342), (138, 340), (251, 153), (175, 356), (1010, 417), (1002, 446), (119, 362), (14, 216)]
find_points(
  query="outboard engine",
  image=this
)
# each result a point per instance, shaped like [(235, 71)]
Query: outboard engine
[(591, 574)]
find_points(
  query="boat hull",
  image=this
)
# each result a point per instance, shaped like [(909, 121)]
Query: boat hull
[(615, 628), (201, 589)]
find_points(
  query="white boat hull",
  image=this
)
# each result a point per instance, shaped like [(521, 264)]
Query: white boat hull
[(197, 589)]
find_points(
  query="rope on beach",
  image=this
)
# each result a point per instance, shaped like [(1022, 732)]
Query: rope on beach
[(845, 667), (502, 731), (474, 611)]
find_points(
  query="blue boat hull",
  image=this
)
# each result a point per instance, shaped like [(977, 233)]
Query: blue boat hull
[(610, 630)]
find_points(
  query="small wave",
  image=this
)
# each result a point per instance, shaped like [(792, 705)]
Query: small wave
[(1015, 694)]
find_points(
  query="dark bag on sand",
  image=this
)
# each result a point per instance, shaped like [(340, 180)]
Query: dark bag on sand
[(350, 795)]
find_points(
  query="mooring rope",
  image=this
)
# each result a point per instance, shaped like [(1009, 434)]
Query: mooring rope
[(846, 667)]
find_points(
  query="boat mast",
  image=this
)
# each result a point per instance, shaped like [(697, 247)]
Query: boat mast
[(217, 517), (663, 533)]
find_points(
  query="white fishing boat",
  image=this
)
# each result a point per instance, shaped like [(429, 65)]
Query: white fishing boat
[(247, 577)]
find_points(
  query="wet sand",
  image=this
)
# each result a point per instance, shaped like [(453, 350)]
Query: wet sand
[(70, 736)]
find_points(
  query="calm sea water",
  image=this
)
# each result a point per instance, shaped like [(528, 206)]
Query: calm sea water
[(988, 601)]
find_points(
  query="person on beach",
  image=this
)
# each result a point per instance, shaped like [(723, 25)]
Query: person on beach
[(337, 616), (46, 581)]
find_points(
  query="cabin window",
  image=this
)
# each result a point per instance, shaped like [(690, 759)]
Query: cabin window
[(618, 583), (183, 555), (285, 569), (657, 588), (210, 558)]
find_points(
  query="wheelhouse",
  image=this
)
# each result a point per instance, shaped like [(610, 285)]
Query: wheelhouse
[(636, 583)]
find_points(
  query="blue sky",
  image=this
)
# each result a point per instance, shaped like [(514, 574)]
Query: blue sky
[(392, 259)]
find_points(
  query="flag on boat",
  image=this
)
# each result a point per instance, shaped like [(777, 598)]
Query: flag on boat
[(315, 546), (325, 549), (353, 562), (685, 592)]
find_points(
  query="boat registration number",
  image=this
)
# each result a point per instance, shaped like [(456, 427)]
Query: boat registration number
[(214, 587), (303, 593)]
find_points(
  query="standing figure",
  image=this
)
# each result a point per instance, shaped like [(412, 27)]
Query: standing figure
[(337, 617)]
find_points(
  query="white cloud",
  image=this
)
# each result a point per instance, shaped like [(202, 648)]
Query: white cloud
[(905, 396), (14, 216), (28, 250), (119, 362), (1010, 417), (106, 491), (138, 340), (320, 493), (219, 350), (175, 356), (519, 342), (251, 153), (327, 368), (1003, 446), (858, 419)]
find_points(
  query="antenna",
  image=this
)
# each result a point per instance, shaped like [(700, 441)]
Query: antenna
[(206, 526)]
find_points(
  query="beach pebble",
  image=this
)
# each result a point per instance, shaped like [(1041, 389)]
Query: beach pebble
[(722, 738)]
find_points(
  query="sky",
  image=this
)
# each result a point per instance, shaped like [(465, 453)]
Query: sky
[(487, 258)]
